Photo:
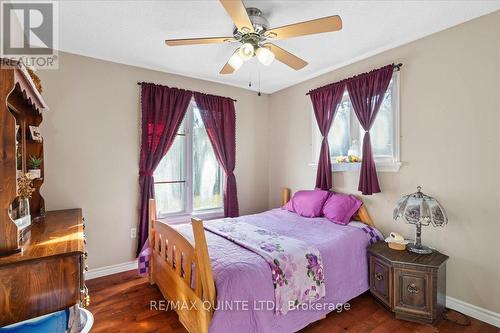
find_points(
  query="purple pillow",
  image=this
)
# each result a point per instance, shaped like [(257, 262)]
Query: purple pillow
[(339, 208), (307, 203)]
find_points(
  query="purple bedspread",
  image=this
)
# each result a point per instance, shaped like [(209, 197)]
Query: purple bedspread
[(241, 275)]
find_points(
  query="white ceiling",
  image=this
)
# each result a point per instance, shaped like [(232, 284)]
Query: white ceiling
[(133, 32)]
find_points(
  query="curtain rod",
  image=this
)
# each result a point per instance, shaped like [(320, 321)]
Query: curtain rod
[(397, 68), (234, 100)]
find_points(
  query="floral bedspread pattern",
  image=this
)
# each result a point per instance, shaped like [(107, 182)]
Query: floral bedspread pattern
[(296, 267)]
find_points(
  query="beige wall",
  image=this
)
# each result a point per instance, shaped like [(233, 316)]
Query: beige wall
[(450, 144), (92, 147)]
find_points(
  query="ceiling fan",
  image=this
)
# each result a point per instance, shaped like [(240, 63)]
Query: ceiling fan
[(252, 32)]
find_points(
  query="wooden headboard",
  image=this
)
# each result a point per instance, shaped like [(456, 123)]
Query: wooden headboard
[(361, 216)]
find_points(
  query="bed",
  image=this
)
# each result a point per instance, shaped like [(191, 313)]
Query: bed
[(230, 290)]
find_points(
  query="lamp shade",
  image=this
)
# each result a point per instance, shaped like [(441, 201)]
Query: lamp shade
[(235, 61), (420, 208), (265, 56), (246, 51)]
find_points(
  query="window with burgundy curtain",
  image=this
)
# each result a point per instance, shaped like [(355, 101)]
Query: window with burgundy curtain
[(325, 102), (366, 93), (163, 109), (219, 118)]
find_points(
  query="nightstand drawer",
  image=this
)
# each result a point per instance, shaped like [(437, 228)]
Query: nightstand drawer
[(381, 280), (414, 291)]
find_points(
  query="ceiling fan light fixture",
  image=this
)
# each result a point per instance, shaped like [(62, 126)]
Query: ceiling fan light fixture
[(251, 29), (246, 51), (265, 56), (235, 61)]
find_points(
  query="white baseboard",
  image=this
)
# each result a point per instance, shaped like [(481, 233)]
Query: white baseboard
[(473, 311), (108, 270)]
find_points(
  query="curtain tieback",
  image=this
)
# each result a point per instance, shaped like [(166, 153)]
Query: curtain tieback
[(146, 173)]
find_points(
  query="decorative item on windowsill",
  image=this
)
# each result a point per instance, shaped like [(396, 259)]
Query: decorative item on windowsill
[(34, 166), (348, 159), (354, 148), (19, 210), (352, 154), (421, 210)]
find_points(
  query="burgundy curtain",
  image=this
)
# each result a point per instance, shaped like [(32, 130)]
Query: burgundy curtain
[(366, 92), (325, 102), (163, 109), (219, 117)]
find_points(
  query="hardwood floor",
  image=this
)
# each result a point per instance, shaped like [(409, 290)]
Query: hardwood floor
[(120, 303)]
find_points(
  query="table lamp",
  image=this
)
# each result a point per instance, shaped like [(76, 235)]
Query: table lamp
[(421, 210)]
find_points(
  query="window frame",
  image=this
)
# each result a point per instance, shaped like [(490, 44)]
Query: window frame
[(189, 212), (381, 165)]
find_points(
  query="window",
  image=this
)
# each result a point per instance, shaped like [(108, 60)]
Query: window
[(189, 178), (346, 134)]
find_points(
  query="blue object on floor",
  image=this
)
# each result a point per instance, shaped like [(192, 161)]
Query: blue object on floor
[(56, 322)]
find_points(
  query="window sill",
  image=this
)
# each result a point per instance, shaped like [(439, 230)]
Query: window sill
[(381, 166), (186, 218)]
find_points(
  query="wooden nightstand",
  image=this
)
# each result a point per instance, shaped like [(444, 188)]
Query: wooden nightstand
[(411, 285)]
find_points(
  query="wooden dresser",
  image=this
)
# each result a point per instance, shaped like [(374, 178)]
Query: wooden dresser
[(411, 285), (47, 275)]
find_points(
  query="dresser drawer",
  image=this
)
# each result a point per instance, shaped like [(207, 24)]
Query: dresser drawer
[(381, 280), (414, 291), (31, 289)]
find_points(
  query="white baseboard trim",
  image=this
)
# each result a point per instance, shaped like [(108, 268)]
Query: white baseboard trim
[(112, 269), (473, 311)]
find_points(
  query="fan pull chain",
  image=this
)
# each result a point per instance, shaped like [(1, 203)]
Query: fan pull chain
[(259, 84)]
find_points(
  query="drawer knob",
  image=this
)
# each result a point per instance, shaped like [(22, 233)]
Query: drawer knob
[(379, 276), (412, 288)]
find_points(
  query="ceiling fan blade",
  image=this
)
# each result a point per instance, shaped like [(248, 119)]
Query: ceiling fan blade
[(228, 69), (238, 14), (193, 41), (286, 57), (325, 24)]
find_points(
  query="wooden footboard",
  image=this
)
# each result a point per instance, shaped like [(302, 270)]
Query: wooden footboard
[(182, 272)]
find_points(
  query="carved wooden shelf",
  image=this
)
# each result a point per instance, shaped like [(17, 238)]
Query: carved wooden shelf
[(20, 104)]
